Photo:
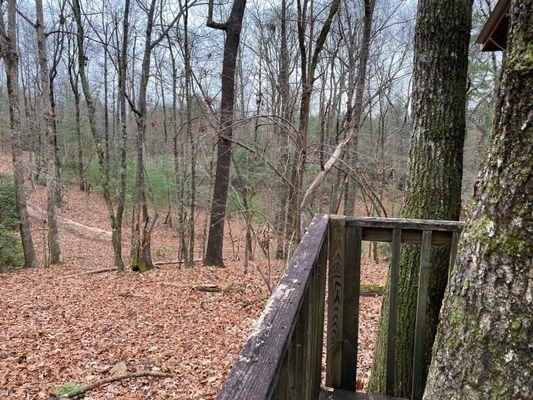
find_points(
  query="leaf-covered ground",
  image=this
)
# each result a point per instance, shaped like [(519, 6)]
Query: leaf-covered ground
[(57, 330)]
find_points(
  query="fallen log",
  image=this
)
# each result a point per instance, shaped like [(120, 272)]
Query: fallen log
[(92, 272), (111, 379)]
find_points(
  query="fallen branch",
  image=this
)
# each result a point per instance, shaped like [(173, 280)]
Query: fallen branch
[(93, 272), (111, 379), (175, 261), (207, 288)]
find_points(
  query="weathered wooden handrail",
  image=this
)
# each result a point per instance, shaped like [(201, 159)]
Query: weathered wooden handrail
[(282, 358)]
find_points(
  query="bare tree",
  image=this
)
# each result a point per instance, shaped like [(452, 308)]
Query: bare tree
[(309, 58), (9, 53), (101, 145), (48, 115), (232, 28)]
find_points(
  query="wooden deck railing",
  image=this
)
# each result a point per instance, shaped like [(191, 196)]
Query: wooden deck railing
[(282, 358)]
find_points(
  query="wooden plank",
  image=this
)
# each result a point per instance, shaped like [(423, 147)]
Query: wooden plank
[(420, 224), (339, 394), (301, 338), (335, 301), (256, 371), (417, 389), (321, 271), (350, 319), (309, 353), (315, 329), (393, 310), (290, 372), (453, 253), (408, 236)]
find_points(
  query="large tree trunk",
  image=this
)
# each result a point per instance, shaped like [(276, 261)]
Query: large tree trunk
[(8, 51), (483, 345), (213, 255), (48, 115), (434, 175)]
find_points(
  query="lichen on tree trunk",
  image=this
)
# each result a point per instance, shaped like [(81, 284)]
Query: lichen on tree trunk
[(434, 175), (483, 345)]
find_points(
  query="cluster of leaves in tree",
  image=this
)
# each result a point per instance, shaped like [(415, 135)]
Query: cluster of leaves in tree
[(10, 246)]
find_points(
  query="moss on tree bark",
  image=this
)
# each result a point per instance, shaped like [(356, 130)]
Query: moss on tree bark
[(434, 175), (483, 347)]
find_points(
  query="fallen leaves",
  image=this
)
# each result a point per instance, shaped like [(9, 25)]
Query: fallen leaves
[(82, 329)]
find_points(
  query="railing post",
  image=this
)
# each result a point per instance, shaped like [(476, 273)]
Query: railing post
[(343, 303), (417, 389), (335, 300), (352, 277)]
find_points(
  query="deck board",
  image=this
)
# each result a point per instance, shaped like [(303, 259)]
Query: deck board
[(339, 394)]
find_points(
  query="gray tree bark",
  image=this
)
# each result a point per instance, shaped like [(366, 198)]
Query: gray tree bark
[(213, 255), (483, 344), (9, 53), (101, 148), (434, 175), (48, 115)]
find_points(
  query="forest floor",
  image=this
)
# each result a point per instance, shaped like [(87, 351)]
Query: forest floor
[(58, 330)]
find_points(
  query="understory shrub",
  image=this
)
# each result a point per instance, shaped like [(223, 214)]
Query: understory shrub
[(8, 207), (11, 254)]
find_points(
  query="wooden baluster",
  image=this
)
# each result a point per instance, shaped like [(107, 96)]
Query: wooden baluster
[(343, 303), (315, 330), (352, 277), (420, 326), (393, 310), (301, 337), (335, 301)]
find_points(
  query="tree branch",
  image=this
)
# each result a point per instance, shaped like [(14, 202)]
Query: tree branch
[(212, 24), (111, 379)]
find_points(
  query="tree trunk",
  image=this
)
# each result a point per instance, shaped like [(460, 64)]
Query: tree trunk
[(101, 148), (79, 138), (213, 255), (142, 225), (356, 111), (190, 137), (121, 198), (434, 174), (284, 99), (308, 67), (48, 116), (483, 345), (9, 53)]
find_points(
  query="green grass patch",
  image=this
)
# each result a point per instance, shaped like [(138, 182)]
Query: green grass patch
[(69, 388)]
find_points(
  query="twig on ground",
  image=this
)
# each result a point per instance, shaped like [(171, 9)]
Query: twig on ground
[(111, 379), (92, 272), (175, 261)]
